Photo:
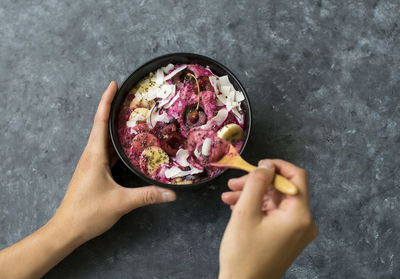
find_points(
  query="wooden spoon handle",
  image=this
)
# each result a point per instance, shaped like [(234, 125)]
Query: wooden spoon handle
[(281, 183), (284, 185)]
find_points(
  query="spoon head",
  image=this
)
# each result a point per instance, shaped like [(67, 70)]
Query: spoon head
[(228, 160)]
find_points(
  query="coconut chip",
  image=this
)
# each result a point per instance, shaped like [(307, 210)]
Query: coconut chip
[(154, 116), (216, 120), (135, 118), (174, 72), (205, 150), (181, 157), (197, 153), (165, 91), (170, 103), (175, 172), (168, 68)]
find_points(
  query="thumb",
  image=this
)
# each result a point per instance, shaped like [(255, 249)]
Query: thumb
[(137, 197), (250, 202)]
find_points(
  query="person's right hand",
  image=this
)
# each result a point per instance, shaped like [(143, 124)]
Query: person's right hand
[(267, 229)]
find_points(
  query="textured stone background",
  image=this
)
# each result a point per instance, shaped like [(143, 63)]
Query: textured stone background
[(323, 77)]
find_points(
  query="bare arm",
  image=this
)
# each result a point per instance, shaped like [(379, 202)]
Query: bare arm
[(34, 255), (93, 203)]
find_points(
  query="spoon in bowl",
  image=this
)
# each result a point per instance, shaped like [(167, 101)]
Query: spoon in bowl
[(233, 160)]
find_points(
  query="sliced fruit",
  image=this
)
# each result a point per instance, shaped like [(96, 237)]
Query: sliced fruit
[(141, 128), (231, 132), (139, 113), (152, 157), (141, 88), (145, 84), (142, 141), (141, 103)]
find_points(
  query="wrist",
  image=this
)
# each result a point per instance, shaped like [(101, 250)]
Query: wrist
[(63, 235)]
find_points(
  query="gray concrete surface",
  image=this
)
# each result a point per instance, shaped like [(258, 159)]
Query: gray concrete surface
[(323, 77)]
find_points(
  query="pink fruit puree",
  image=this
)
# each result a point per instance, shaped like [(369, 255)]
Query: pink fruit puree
[(177, 127)]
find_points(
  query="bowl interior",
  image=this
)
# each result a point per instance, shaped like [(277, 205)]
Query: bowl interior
[(151, 66)]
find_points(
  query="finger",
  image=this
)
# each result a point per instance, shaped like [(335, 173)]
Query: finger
[(272, 199), (99, 134), (230, 197), (237, 184), (137, 197), (250, 202), (232, 207), (295, 174)]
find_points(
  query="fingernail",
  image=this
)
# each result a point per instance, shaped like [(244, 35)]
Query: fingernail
[(109, 85), (224, 194), (266, 164), (168, 196)]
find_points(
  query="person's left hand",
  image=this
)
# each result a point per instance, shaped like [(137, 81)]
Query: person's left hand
[(94, 202)]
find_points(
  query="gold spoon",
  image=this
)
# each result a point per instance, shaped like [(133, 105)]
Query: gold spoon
[(233, 160)]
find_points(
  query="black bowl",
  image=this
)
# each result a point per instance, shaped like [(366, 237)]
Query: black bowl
[(151, 66)]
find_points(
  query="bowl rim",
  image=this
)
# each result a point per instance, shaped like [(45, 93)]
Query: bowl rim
[(114, 136)]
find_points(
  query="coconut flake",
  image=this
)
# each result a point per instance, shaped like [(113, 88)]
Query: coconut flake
[(168, 68), (197, 153), (158, 77), (195, 170), (227, 95), (167, 99), (151, 93), (216, 120), (162, 170), (163, 117), (165, 91), (205, 150), (172, 101), (174, 72), (134, 121), (154, 116), (181, 157), (134, 118), (224, 81), (239, 96), (149, 115), (219, 103), (175, 172)]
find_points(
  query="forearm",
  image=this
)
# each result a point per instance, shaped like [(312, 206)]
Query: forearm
[(36, 254)]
